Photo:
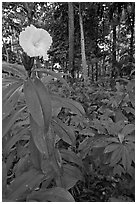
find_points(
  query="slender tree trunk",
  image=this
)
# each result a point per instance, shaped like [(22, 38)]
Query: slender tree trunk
[(113, 52), (7, 54), (103, 66), (103, 60), (84, 63), (88, 71), (71, 37), (96, 71), (92, 73), (132, 38)]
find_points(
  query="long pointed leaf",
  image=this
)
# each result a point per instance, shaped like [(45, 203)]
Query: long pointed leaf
[(71, 157), (39, 137), (55, 75), (23, 183), (116, 155), (45, 101), (34, 154), (56, 194), (63, 131), (111, 147), (33, 102), (10, 80), (74, 106), (128, 129), (70, 176), (16, 69), (9, 90), (9, 120), (126, 158), (4, 178), (12, 141), (10, 103)]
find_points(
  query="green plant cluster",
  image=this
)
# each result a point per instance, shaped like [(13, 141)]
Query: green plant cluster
[(60, 141)]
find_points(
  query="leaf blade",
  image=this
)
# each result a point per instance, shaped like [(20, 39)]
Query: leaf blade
[(28, 180), (45, 101), (9, 120), (33, 102), (38, 137), (10, 103), (56, 194), (111, 147)]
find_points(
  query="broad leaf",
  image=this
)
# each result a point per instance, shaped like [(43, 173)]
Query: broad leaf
[(100, 143), (7, 91), (55, 75), (87, 131), (33, 102), (97, 125), (10, 80), (4, 178), (15, 69), (116, 155), (118, 169), (119, 116), (46, 167), (56, 194), (111, 147), (126, 158), (112, 139), (10, 103), (46, 79), (84, 143), (24, 183), (9, 120), (45, 102), (85, 146), (132, 98), (70, 176), (12, 141), (34, 154), (22, 165), (68, 103), (39, 137), (129, 128), (71, 157), (121, 137), (63, 131)]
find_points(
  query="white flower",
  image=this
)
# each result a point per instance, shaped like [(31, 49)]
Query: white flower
[(35, 41)]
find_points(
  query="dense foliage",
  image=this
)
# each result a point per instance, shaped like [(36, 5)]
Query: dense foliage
[(68, 133)]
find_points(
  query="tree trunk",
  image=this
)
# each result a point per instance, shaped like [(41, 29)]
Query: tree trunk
[(88, 71), (132, 38), (96, 71), (114, 52), (7, 54), (71, 37), (103, 66), (92, 66), (84, 63)]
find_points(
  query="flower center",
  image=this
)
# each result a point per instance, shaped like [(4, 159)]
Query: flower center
[(36, 44)]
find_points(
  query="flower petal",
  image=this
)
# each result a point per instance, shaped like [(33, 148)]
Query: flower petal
[(35, 42)]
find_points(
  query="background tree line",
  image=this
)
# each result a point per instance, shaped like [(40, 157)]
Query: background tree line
[(90, 39)]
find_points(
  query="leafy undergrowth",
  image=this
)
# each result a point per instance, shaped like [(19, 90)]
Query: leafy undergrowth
[(67, 144), (107, 128)]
